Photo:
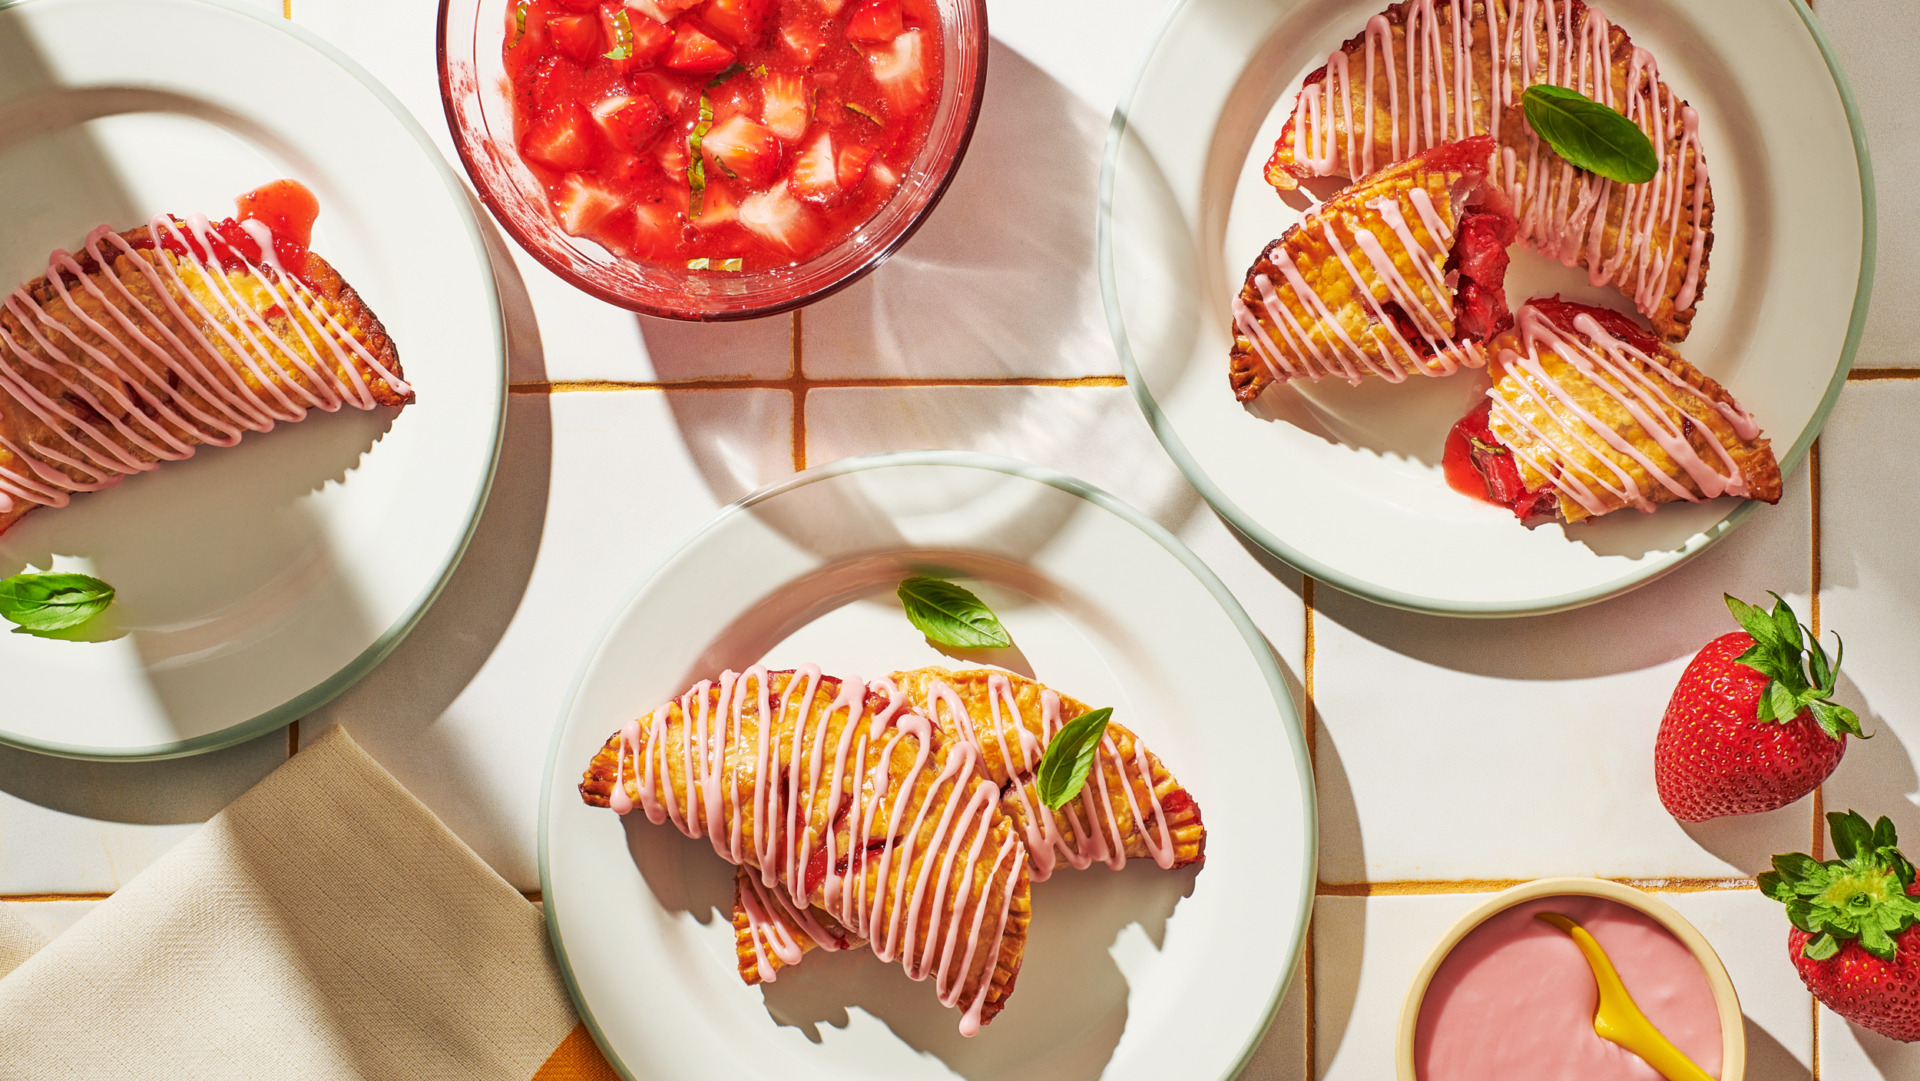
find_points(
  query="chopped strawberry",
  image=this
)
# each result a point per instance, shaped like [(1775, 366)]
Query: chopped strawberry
[(883, 174), (661, 11), (777, 217), (552, 80), (718, 206), (582, 204), (630, 120), (816, 175), (851, 166), (741, 148), (743, 22), (696, 53), (644, 230), (783, 105), (671, 93), (805, 40), (582, 6), (831, 7), (578, 36), (560, 140), (650, 42), (1480, 256), (900, 69), (877, 21)]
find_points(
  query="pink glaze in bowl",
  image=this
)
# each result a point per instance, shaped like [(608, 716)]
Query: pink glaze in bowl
[(478, 99), (1504, 995)]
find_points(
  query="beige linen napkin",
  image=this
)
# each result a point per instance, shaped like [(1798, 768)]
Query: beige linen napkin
[(325, 925)]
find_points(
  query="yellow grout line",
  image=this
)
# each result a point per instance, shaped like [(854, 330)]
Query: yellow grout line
[(1818, 848), (798, 372), (286, 9), (293, 738), (531, 895), (40, 897), (788, 384), (1422, 888), (1875, 375), (1306, 992), (1310, 721)]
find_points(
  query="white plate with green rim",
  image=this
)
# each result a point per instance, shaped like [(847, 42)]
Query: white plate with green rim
[(1138, 974), (258, 581), (1344, 482)]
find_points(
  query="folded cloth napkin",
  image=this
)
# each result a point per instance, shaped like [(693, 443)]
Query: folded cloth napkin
[(324, 926)]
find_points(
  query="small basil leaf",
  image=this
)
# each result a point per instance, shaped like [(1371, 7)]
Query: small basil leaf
[(41, 603), (950, 615), (622, 37), (1590, 135), (726, 73), (1069, 757)]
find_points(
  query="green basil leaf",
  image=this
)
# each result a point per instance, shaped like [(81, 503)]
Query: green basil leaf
[(852, 108), (950, 615), (41, 603), (1590, 135), (622, 37), (519, 24), (1069, 757)]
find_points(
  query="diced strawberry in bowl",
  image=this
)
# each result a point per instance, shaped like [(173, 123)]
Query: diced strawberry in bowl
[(777, 217), (661, 11), (630, 121), (743, 149), (696, 53), (816, 176), (743, 22), (900, 70), (804, 40), (783, 105), (850, 167), (876, 21), (578, 36), (561, 140), (583, 204)]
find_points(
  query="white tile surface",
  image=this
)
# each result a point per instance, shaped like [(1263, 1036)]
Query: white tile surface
[(1875, 42), (50, 918), (998, 281), (594, 489), (1870, 590), (1455, 749), (87, 827), (1367, 951)]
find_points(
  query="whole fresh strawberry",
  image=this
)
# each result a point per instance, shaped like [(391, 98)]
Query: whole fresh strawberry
[(1749, 729), (1854, 940)]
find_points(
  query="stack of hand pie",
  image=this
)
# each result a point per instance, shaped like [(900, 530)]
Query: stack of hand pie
[(1403, 272), (901, 814)]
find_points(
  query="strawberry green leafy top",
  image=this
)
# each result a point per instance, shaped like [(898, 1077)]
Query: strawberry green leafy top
[(1861, 896), (1780, 653)]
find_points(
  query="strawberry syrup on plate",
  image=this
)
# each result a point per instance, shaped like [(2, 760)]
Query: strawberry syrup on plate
[(721, 135)]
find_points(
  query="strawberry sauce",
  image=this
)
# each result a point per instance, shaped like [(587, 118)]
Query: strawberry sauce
[(721, 135)]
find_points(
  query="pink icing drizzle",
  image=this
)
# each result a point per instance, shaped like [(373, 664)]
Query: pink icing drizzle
[(210, 403)]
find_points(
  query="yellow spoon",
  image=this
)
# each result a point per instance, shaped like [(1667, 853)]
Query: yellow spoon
[(1620, 1021)]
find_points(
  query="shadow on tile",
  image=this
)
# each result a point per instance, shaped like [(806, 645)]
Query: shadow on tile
[(1894, 1060), (392, 711), (182, 790), (1767, 1058)]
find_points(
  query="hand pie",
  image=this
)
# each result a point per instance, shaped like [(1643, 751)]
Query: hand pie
[(1429, 72), (1131, 808), (147, 344), (836, 796), (1403, 273), (1589, 414)]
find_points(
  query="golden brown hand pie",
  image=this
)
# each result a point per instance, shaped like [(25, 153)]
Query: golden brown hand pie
[(843, 799), (1589, 414), (1131, 807), (149, 343), (1402, 273), (1428, 72)]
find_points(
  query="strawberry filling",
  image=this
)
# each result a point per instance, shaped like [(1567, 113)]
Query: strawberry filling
[(1476, 464)]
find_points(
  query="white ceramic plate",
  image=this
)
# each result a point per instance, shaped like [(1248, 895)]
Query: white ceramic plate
[(258, 581), (1344, 482), (1138, 974)]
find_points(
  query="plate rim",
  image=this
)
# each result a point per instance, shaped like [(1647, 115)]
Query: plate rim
[(1170, 440), (1263, 653), (363, 663)]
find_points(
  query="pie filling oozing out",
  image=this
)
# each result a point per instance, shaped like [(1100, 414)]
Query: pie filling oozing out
[(1402, 273), (1589, 414), (903, 814), (149, 343)]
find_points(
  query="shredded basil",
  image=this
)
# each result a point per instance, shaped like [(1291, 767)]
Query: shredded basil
[(1589, 135), (851, 107), (622, 37), (519, 24), (696, 169), (726, 73)]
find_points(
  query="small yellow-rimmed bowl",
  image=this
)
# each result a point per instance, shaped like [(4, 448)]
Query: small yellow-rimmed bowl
[(1733, 1032)]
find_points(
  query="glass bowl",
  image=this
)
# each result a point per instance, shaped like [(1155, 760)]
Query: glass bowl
[(478, 98)]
